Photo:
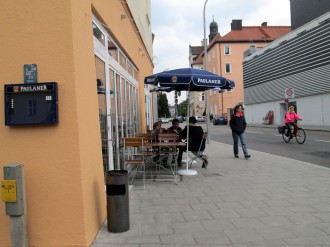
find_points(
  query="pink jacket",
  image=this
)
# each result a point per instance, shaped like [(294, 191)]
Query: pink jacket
[(290, 117)]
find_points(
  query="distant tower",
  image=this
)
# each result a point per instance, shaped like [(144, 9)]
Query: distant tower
[(213, 30)]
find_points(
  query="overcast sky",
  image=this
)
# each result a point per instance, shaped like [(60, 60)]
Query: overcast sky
[(179, 23)]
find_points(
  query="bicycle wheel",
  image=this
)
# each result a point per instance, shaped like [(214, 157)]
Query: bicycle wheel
[(285, 137), (301, 136)]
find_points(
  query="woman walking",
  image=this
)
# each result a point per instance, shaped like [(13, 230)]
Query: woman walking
[(238, 126)]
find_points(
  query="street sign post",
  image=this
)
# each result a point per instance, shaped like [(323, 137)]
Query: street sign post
[(289, 93)]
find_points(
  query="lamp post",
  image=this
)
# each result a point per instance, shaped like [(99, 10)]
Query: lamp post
[(207, 97)]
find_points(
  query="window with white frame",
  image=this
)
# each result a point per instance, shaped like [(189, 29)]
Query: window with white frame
[(227, 50), (228, 68), (98, 34)]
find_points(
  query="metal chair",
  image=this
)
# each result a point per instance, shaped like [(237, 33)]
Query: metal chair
[(134, 157), (168, 155), (199, 155)]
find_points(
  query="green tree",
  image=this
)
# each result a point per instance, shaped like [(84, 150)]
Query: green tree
[(182, 108), (163, 109)]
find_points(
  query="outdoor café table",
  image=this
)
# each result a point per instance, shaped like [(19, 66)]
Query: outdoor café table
[(160, 168)]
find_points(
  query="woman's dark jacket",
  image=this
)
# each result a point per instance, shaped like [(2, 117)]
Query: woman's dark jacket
[(195, 137), (237, 124)]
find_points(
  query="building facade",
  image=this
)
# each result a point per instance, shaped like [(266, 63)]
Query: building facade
[(98, 52), (225, 56), (299, 63)]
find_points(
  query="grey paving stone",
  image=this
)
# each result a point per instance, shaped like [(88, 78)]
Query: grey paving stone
[(248, 223), (256, 203), (303, 218), (197, 215), (168, 217), (186, 200), (114, 245), (179, 208), (250, 212), (275, 220), (157, 201), (243, 235), (302, 209), (188, 227), (137, 218), (156, 228), (307, 241), (322, 207), (277, 203), (273, 233), (229, 205), (276, 211), (154, 209), (323, 216), (204, 206), (324, 227), (269, 243), (309, 230), (130, 240), (224, 214), (177, 239), (218, 225), (211, 238)]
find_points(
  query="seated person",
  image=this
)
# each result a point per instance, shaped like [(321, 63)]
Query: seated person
[(196, 134), (155, 128), (177, 130)]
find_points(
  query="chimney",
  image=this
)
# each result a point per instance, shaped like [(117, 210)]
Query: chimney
[(236, 25), (264, 24)]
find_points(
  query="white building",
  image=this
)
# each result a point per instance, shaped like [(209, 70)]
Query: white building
[(299, 61)]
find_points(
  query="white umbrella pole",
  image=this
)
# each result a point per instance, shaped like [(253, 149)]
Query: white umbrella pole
[(188, 114), (187, 172)]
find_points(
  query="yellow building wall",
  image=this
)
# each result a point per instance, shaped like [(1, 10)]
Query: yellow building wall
[(124, 30), (65, 195)]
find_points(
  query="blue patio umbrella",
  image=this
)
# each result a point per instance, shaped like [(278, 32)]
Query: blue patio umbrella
[(189, 79)]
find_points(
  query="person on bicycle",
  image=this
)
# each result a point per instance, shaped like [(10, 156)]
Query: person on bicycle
[(291, 118)]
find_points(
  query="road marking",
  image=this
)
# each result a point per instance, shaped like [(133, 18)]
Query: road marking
[(321, 141), (255, 132), (277, 135)]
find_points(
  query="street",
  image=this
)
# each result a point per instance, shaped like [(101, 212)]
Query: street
[(315, 150)]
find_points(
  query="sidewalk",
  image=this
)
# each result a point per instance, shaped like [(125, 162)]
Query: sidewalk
[(265, 201)]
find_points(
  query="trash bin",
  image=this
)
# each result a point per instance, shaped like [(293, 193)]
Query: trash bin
[(117, 200)]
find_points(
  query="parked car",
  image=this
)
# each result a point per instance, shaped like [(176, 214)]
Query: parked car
[(220, 120), (165, 120), (200, 118), (180, 118)]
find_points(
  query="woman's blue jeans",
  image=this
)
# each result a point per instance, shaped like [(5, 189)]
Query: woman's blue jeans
[(243, 143)]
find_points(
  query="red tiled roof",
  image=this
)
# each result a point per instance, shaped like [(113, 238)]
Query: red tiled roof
[(265, 33), (199, 59), (247, 34)]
